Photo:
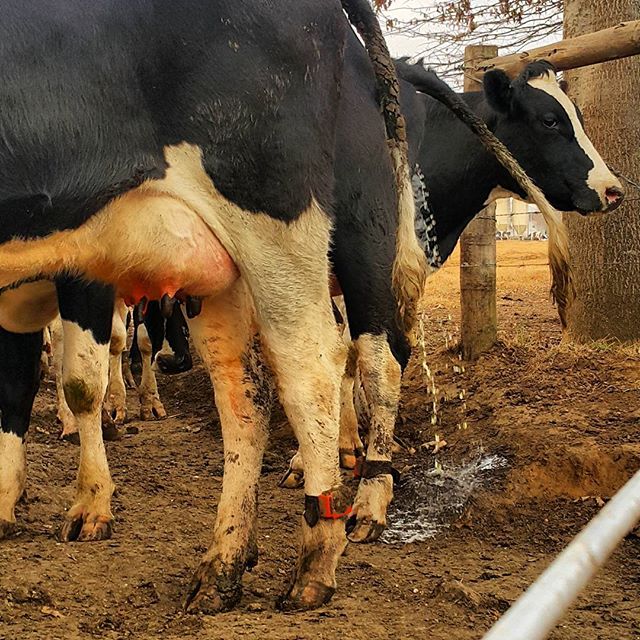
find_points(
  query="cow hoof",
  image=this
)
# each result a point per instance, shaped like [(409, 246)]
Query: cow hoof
[(111, 433), (294, 476), (363, 530), (292, 479), (369, 517), (153, 411), (302, 598), (349, 458), (252, 556), (73, 438), (118, 414), (6, 528), (86, 527), (211, 592), (170, 365)]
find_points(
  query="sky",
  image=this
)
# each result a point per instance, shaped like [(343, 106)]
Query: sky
[(402, 45)]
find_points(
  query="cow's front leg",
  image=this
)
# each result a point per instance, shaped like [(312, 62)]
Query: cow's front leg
[(86, 311), (379, 373), (19, 380), (225, 336)]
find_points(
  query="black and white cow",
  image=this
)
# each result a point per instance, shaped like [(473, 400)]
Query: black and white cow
[(538, 123), (168, 334), (455, 178), (191, 151)]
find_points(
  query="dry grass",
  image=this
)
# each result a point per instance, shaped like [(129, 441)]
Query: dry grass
[(523, 296)]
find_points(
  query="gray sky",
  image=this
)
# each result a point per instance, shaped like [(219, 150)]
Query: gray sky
[(402, 45)]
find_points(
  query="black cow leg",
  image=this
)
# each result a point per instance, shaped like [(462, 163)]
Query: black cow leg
[(177, 335), (19, 381), (87, 311)]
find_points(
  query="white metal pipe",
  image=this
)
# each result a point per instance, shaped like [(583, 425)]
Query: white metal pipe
[(540, 608)]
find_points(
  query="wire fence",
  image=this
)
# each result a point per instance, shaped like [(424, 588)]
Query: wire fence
[(526, 225)]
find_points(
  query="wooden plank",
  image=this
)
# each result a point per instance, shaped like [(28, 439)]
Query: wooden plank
[(478, 323), (592, 48)]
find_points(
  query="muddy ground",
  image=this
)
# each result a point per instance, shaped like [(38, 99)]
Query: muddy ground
[(560, 424)]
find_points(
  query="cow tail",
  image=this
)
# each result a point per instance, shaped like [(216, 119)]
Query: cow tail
[(410, 269), (562, 289)]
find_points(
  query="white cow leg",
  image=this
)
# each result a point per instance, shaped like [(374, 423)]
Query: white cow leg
[(64, 414), (226, 338), (380, 376), (150, 404), (287, 273), (351, 447), (87, 312), (45, 356), (116, 398)]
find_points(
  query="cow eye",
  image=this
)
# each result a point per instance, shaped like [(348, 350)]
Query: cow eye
[(550, 121)]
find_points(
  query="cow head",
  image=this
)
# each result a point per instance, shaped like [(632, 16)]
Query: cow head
[(543, 129)]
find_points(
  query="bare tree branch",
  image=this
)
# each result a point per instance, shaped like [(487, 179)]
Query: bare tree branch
[(442, 28)]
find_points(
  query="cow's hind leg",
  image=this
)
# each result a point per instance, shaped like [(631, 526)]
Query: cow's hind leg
[(86, 311), (19, 380), (379, 374), (64, 414), (225, 335), (381, 351), (351, 447), (287, 271)]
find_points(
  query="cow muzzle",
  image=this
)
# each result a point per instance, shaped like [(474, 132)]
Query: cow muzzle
[(613, 197)]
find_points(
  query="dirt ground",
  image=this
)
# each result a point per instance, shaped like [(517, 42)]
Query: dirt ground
[(563, 420)]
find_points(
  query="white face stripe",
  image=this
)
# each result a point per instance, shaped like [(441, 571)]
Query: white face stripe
[(600, 177)]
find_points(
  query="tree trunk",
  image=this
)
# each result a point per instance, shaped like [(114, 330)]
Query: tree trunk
[(605, 249)]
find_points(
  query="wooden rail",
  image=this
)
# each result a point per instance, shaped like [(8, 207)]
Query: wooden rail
[(592, 48)]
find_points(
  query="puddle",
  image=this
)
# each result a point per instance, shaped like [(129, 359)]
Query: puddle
[(429, 499)]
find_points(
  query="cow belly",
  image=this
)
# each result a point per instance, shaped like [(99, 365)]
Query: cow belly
[(165, 236), (28, 308)]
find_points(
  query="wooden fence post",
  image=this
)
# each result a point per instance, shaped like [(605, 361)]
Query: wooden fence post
[(478, 324)]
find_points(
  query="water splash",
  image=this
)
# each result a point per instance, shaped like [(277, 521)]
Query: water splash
[(430, 499)]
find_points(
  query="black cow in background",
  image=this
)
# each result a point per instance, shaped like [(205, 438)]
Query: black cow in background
[(536, 121), (164, 331)]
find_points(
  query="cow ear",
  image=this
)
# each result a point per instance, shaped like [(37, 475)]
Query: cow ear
[(497, 89)]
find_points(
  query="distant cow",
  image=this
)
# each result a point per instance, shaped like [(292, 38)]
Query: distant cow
[(190, 151)]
